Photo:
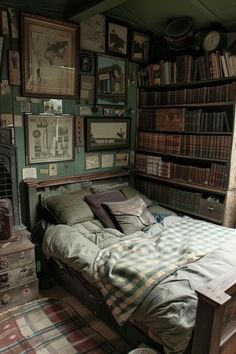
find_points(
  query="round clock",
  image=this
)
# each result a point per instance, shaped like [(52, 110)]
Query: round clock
[(212, 41)]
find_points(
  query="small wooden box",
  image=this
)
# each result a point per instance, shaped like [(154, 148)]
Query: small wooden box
[(170, 119)]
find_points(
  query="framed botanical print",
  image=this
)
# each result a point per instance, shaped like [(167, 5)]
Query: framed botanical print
[(111, 84), (116, 38), (49, 57), (107, 133), (141, 43), (49, 138)]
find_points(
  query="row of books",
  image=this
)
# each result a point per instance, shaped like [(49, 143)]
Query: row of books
[(188, 68), (191, 120), (173, 197), (213, 176), (203, 146), (206, 94)]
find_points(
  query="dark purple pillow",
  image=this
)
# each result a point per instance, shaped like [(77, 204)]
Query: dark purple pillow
[(95, 202)]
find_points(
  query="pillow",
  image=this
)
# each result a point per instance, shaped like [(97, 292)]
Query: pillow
[(160, 212), (131, 192), (95, 202), (69, 208), (132, 214)]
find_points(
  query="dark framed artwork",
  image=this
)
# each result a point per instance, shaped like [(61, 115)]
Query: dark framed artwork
[(141, 43), (111, 80), (49, 57), (116, 38), (107, 133), (87, 63), (49, 138)]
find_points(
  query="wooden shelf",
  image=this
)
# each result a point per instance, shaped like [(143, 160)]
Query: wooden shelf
[(192, 213), (186, 105), (184, 184), (211, 82), (183, 132), (181, 156)]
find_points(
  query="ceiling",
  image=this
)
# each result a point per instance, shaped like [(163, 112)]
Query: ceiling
[(148, 15)]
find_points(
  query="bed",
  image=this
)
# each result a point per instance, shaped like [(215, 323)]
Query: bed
[(183, 299)]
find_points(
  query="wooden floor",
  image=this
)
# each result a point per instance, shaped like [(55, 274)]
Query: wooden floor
[(58, 292)]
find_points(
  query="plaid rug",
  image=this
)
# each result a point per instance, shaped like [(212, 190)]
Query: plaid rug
[(52, 326)]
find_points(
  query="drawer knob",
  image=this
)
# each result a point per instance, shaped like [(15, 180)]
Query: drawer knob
[(3, 262), (6, 299), (210, 208)]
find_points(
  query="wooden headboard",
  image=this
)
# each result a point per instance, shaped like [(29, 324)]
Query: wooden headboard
[(35, 186)]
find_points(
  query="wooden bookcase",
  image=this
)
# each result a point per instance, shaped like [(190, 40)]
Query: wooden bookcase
[(186, 148)]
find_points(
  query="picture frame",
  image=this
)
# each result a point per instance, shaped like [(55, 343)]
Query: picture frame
[(49, 138), (108, 111), (92, 33), (87, 89), (14, 68), (106, 133), (117, 35), (49, 57), (111, 80), (140, 49), (87, 63)]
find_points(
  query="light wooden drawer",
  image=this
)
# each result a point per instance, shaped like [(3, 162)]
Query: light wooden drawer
[(211, 209), (18, 295), (17, 276)]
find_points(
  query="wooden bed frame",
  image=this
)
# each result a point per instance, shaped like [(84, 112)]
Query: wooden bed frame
[(215, 328)]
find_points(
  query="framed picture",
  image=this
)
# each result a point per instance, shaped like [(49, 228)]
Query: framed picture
[(87, 89), (141, 43), (111, 84), (87, 63), (107, 133), (108, 111), (49, 57), (49, 138), (92, 34), (116, 38), (14, 68)]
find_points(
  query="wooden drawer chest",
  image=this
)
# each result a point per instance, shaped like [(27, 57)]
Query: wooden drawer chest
[(18, 281)]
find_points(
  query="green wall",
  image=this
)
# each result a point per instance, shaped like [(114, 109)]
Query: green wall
[(9, 104)]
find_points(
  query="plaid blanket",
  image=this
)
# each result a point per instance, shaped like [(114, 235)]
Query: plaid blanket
[(129, 269), (50, 326)]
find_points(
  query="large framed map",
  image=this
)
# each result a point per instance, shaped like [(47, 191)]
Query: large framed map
[(49, 57), (49, 138)]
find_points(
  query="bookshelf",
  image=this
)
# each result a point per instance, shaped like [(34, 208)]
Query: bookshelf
[(186, 146)]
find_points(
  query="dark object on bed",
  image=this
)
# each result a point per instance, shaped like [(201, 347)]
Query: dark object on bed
[(215, 322)]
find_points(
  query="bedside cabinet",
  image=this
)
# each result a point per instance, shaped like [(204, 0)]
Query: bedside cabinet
[(18, 281)]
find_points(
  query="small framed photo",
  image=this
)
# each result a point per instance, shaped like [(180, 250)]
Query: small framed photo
[(141, 43), (87, 89), (116, 38), (14, 68), (87, 63), (108, 111)]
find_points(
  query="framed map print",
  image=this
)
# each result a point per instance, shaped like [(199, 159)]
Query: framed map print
[(49, 57), (49, 138)]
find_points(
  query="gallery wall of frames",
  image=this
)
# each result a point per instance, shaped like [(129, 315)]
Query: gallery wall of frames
[(60, 84)]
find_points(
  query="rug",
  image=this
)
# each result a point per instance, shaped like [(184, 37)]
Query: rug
[(52, 326)]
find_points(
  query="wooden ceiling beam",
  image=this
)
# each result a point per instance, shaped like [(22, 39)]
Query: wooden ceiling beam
[(78, 11)]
